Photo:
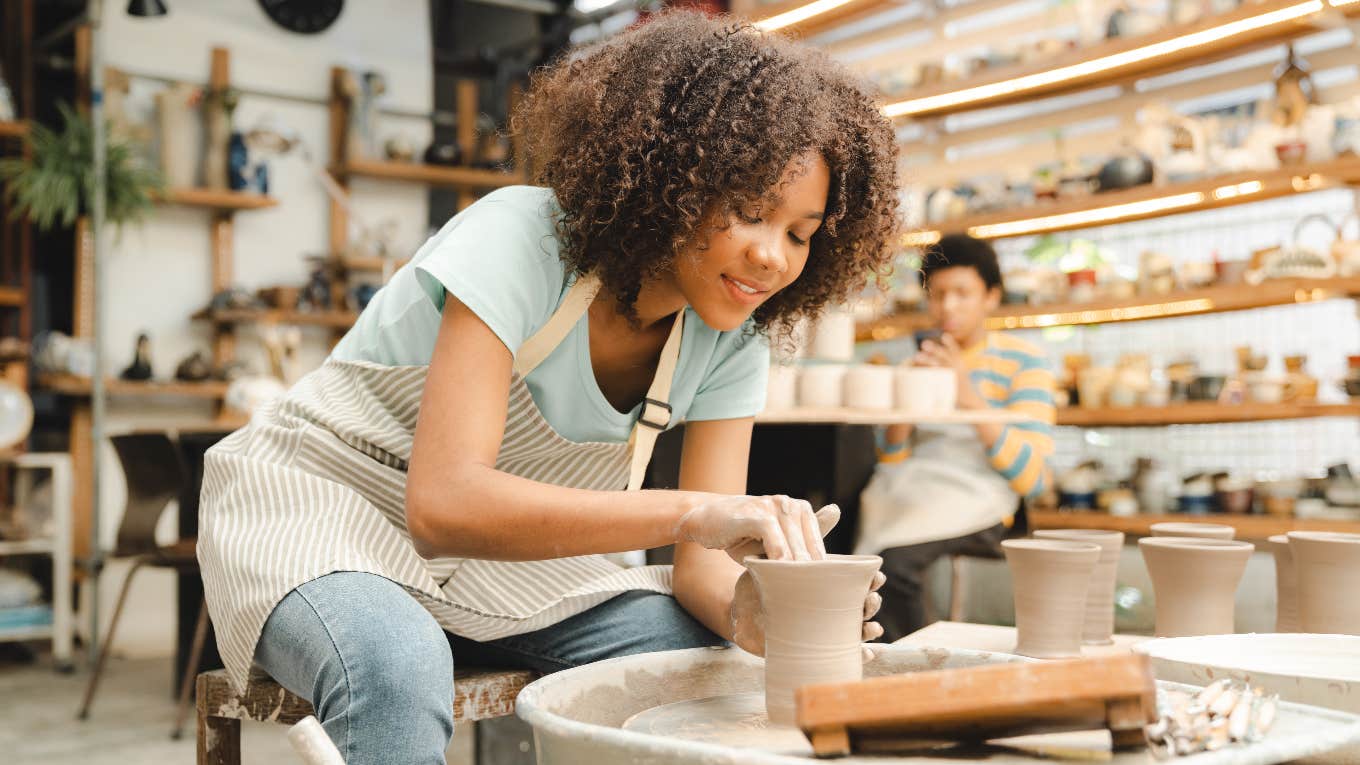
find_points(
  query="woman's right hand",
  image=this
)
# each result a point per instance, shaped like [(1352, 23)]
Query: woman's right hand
[(780, 527)]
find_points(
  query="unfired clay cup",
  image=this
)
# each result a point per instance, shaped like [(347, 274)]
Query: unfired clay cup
[(821, 386), (1050, 579), (781, 388), (926, 390), (1194, 581), (1286, 587), (1202, 530), (1098, 629), (814, 624), (869, 386), (1327, 567)]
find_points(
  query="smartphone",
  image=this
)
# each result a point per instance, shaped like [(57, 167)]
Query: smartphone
[(923, 335)]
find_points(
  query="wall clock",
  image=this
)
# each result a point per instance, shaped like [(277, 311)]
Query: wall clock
[(306, 17)]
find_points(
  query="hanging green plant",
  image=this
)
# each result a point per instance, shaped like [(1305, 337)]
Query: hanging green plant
[(55, 184)]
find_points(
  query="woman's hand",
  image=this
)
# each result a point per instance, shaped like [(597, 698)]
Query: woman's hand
[(779, 527), (748, 618), (947, 353)]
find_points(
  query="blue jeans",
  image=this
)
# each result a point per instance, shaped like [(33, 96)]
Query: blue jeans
[(378, 669)]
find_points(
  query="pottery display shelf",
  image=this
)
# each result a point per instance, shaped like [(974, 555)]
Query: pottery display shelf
[(998, 639), (1124, 59), (76, 385), (332, 319), (1229, 297), (216, 199), (848, 416), (1199, 412), (1252, 528), (433, 175), (13, 129)]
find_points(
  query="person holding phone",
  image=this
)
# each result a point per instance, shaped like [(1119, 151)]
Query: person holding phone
[(954, 489)]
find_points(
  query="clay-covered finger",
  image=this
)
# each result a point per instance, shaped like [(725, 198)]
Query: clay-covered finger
[(870, 651), (872, 631), (880, 579), (790, 520), (772, 539), (827, 518), (872, 604)]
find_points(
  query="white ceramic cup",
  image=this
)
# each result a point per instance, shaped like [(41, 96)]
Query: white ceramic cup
[(926, 390), (869, 386), (833, 339), (821, 386), (781, 391)]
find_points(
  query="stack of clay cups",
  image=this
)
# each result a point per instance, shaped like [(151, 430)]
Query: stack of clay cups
[(1098, 626), (1327, 577), (926, 390), (821, 386), (869, 387), (1050, 579), (1194, 582)]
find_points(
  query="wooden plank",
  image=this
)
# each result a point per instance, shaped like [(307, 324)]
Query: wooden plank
[(338, 115), (467, 111), (1249, 527), (433, 175), (13, 129), (217, 199), (370, 263), (1120, 60), (1157, 201), (1199, 412), (75, 385), (980, 703), (1220, 299), (344, 319)]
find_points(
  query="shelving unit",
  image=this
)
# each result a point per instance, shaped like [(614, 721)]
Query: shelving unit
[(13, 129), (220, 200), (57, 546), (74, 385), (1249, 527), (1198, 413), (432, 175), (332, 319), (1233, 297)]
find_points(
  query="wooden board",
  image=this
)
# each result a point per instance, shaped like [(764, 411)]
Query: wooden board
[(74, 385), (217, 199), (980, 703), (1220, 299), (336, 319), (433, 175), (847, 416), (1253, 528), (1199, 412), (13, 129)]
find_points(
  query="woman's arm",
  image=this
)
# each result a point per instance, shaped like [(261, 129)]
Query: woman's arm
[(459, 505), (713, 459)]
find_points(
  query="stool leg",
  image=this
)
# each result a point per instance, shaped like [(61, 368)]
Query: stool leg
[(84, 712), (219, 740), (191, 670)]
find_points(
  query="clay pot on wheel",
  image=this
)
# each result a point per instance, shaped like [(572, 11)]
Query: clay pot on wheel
[(814, 623), (1200, 530), (1194, 582), (1050, 578), (1286, 587), (1327, 567), (1098, 628)]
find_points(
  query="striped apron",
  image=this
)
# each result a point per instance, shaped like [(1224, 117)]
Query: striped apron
[(315, 483)]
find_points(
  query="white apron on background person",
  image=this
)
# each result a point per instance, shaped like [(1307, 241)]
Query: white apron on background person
[(316, 484)]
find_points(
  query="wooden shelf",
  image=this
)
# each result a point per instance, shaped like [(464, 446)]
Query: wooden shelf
[(841, 14), (13, 129), (1122, 60), (434, 175), (1250, 527), (1196, 413), (847, 416), (217, 199), (1155, 201), (1231, 297), (75, 385), (373, 263), (334, 319)]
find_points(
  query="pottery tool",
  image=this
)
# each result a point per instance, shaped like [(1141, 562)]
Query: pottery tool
[(981, 703)]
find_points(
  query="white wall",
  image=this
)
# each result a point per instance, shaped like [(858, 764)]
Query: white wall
[(159, 272)]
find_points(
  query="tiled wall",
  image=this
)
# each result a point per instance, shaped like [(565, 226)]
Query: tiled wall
[(1326, 331)]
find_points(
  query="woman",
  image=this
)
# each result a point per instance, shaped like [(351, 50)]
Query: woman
[(444, 487)]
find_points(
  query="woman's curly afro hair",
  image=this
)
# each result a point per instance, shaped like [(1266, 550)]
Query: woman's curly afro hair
[(654, 137)]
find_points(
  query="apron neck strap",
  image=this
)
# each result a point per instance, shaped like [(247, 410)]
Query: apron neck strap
[(656, 409)]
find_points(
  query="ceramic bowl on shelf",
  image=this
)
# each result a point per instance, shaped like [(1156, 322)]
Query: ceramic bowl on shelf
[(1207, 387)]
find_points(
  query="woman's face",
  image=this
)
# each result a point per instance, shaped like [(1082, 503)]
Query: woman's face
[(758, 253)]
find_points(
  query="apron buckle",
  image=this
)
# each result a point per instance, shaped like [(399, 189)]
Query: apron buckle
[(658, 425)]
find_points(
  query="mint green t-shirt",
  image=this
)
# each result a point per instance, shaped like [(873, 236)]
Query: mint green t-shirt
[(500, 258)]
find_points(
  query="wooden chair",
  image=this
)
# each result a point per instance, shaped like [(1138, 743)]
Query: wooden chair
[(155, 477), (479, 694)]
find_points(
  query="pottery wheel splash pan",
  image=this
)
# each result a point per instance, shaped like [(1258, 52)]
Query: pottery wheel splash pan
[(579, 715)]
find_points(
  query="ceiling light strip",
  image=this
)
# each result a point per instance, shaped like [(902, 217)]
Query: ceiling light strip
[(1102, 64), (799, 14)]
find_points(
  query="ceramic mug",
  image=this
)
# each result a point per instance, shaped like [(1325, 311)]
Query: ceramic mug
[(869, 386), (781, 390), (821, 386), (926, 390)]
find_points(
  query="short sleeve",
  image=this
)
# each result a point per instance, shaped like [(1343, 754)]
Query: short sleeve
[(500, 259), (734, 385)]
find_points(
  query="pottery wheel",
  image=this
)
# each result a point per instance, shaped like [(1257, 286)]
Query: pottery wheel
[(737, 721)]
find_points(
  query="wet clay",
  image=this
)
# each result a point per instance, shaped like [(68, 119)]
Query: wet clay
[(1194, 581), (1050, 579), (814, 616), (1286, 597), (1098, 628), (1203, 530), (1327, 567)]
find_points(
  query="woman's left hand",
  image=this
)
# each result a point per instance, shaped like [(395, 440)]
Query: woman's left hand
[(947, 353), (748, 617)]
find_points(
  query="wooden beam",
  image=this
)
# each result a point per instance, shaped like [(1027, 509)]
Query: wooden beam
[(466, 100)]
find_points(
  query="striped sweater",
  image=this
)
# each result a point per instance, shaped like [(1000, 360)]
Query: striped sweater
[(944, 482)]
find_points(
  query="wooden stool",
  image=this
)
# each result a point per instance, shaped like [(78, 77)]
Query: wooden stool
[(479, 694)]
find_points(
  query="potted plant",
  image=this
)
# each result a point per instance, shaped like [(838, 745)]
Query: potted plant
[(54, 185)]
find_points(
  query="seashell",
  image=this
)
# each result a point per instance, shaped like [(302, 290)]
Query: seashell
[(1213, 691), (1224, 704)]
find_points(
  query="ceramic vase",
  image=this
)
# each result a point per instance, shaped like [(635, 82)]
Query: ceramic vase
[(1098, 628), (1199, 530), (180, 136), (1286, 589), (814, 616), (1327, 570), (1050, 579), (217, 125), (1194, 581)]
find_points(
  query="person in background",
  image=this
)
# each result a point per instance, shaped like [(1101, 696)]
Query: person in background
[(954, 489)]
